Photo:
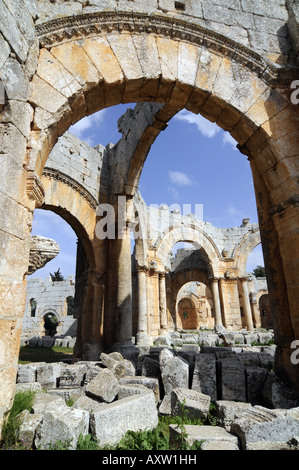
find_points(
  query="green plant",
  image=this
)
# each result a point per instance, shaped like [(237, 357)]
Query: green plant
[(10, 433)]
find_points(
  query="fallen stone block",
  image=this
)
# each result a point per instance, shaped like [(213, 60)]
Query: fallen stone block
[(119, 366), (110, 424), (151, 383), (232, 380), (44, 401), (204, 375), (255, 381), (129, 390), (174, 372), (210, 437), (72, 375), (28, 426), (86, 403), (195, 404), (62, 425), (227, 411), (104, 386), (47, 375), (26, 373), (260, 424)]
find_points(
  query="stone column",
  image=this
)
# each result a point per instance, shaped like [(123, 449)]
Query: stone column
[(254, 310), (216, 302), (246, 305), (121, 253), (162, 303), (142, 334)]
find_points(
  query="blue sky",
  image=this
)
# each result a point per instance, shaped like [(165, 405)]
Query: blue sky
[(192, 162)]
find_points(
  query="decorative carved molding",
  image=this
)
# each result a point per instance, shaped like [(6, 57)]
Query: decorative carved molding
[(64, 29), (35, 189), (59, 176)]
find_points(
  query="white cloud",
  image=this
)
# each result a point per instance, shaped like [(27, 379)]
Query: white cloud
[(228, 139), (180, 179), (205, 127), (88, 123)]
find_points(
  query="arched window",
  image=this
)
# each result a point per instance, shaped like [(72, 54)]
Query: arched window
[(33, 305)]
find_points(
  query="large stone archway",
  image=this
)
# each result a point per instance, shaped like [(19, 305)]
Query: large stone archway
[(81, 67)]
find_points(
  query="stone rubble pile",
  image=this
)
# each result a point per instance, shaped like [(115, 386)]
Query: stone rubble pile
[(117, 394)]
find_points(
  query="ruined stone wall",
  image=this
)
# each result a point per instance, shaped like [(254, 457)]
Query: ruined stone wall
[(19, 48), (51, 297), (83, 164)]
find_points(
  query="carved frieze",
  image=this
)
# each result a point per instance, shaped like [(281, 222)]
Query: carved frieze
[(64, 29), (55, 174)]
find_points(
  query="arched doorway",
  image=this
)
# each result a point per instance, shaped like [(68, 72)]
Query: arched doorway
[(50, 324)]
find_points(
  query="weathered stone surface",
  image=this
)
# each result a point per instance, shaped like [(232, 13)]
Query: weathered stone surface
[(48, 374), (119, 366), (195, 404), (204, 375), (228, 411), (29, 423), (260, 424), (232, 379), (72, 376), (104, 386), (138, 412), (63, 425), (210, 436), (42, 251), (174, 372), (44, 401), (150, 383)]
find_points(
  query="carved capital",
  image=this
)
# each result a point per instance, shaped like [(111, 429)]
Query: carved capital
[(35, 189)]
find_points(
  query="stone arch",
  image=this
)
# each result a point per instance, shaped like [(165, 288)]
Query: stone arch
[(178, 281), (244, 248), (188, 234), (77, 207), (185, 66)]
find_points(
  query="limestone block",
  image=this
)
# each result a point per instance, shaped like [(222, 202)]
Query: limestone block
[(119, 366), (29, 423), (129, 390), (50, 70), (255, 381), (263, 425), (86, 403), (63, 424), (196, 404), (151, 383), (174, 371), (228, 411), (112, 421), (204, 375), (232, 379), (213, 437), (48, 374), (44, 401), (72, 375), (26, 373), (104, 386)]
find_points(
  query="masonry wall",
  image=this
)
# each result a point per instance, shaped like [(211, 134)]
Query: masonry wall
[(51, 298), (259, 24)]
